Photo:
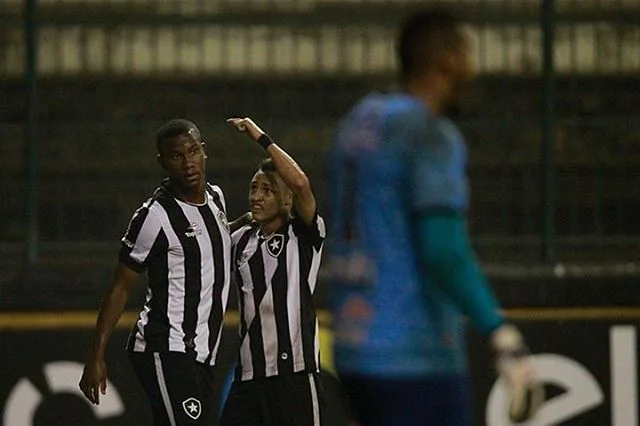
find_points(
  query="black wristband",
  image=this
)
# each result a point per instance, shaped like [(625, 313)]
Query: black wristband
[(265, 141)]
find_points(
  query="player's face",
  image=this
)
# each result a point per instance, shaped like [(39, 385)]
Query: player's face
[(268, 198), (183, 158)]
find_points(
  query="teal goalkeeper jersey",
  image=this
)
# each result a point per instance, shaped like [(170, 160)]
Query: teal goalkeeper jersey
[(391, 161)]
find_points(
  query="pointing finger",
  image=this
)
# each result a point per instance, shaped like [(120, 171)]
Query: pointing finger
[(239, 123)]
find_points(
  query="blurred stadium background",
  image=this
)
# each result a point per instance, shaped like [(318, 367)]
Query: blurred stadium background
[(553, 126)]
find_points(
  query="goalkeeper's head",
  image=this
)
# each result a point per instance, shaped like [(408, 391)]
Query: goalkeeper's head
[(434, 54)]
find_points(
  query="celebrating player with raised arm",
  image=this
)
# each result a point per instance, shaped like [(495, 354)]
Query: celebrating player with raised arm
[(276, 260)]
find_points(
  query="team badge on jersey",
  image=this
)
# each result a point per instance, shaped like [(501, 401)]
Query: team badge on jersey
[(192, 407), (274, 244)]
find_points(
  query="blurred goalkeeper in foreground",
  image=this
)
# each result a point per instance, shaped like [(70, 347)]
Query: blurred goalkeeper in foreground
[(404, 272)]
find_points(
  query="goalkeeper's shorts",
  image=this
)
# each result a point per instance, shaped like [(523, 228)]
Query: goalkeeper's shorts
[(442, 400)]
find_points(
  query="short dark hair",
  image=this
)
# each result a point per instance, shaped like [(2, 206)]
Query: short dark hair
[(267, 165), (176, 127), (424, 36)]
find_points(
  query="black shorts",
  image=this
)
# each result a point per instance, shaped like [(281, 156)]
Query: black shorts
[(294, 400), (180, 390), (437, 400)]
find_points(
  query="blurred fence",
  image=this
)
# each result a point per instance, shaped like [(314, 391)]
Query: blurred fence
[(85, 83)]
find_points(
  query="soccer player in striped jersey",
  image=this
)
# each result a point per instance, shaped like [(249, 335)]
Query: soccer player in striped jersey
[(403, 267), (181, 239), (276, 259)]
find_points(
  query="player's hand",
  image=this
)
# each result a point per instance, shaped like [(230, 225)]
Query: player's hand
[(94, 380), (514, 364), (247, 125)]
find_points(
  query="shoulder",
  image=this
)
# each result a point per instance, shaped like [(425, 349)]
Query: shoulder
[(317, 226), (385, 106), (160, 199), (451, 130), (397, 112), (150, 205), (159, 203), (218, 196), (215, 189), (367, 123), (161, 194), (405, 110)]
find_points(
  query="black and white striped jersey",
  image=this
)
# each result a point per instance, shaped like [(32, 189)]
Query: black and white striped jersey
[(276, 278), (186, 251)]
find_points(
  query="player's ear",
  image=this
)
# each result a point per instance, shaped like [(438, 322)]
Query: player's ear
[(286, 194), (203, 144), (288, 199)]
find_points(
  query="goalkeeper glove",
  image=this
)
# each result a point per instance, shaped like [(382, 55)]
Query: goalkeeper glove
[(514, 364)]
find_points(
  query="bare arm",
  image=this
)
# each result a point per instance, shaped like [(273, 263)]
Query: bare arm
[(292, 175), (239, 222), (94, 376)]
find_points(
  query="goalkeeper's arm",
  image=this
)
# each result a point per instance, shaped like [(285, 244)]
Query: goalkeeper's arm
[(449, 261)]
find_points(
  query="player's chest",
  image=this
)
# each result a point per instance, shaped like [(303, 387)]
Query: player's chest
[(263, 253), (198, 233)]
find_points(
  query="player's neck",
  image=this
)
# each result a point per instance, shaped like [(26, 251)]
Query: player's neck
[(193, 196), (433, 91), (268, 228)]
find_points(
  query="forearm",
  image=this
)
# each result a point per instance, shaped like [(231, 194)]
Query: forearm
[(449, 261), (112, 307), (290, 172), (292, 175), (110, 313), (241, 221)]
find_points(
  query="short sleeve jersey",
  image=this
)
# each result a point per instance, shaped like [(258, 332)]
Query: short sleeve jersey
[(276, 278), (185, 250)]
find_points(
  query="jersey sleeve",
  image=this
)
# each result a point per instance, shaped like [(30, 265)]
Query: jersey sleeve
[(138, 241), (436, 160), (315, 232), (449, 262)]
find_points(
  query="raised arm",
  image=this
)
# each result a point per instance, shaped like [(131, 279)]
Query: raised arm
[(292, 175)]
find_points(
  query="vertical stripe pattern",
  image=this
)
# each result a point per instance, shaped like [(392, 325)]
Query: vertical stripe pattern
[(314, 400), (164, 391), (186, 251), (276, 279)]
